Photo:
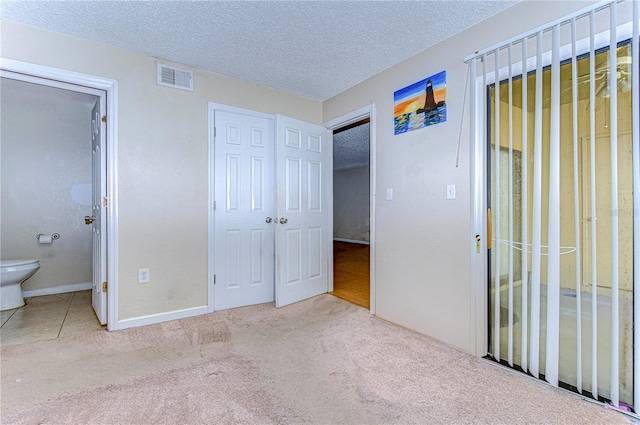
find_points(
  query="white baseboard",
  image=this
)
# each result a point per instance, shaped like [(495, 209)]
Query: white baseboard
[(57, 290), (351, 241), (161, 317)]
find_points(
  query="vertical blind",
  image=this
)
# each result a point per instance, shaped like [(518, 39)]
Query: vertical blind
[(561, 102)]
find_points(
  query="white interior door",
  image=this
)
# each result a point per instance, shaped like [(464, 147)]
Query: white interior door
[(303, 165), (98, 221), (244, 211)]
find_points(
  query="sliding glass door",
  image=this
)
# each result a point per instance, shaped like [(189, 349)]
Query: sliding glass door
[(561, 210)]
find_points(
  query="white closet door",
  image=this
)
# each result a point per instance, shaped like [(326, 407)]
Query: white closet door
[(303, 164), (244, 195)]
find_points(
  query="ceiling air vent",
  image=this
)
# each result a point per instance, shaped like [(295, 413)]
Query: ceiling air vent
[(173, 77)]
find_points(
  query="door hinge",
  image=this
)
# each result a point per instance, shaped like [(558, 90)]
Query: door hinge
[(104, 286), (215, 131), (104, 118), (214, 279), (214, 205), (104, 201)]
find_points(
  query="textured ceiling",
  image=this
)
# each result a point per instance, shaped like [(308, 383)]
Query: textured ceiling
[(314, 49), (351, 148)]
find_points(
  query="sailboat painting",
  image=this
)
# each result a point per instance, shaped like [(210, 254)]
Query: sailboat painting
[(421, 104)]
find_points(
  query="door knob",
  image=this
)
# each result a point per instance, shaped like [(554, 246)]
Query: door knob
[(88, 219), (283, 221), (268, 219)]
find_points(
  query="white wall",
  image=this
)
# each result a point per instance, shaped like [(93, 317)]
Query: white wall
[(423, 264), (351, 204), (45, 175), (162, 161)]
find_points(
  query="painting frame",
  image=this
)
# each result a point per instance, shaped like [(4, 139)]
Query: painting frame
[(420, 104)]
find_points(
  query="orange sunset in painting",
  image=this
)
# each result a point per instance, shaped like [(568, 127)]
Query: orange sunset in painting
[(416, 103)]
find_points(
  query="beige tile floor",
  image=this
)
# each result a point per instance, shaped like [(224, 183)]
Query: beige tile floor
[(48, 317)]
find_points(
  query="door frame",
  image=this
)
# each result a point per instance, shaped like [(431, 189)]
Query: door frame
[(478, 328), (368, 111), (107, 90)]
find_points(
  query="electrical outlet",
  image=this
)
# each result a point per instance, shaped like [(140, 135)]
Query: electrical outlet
[(143, 275)]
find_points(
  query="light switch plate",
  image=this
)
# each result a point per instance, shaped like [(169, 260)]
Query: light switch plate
[(143, 275), (451, 191), (389, 194)]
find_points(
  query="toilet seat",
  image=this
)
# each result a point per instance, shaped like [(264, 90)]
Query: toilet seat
[(13, 265)]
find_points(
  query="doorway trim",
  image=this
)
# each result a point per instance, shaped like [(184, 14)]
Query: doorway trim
[(368, 111), (478, 328), (102, 87)]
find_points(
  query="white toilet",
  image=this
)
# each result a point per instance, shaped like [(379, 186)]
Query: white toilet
[(12, 274)]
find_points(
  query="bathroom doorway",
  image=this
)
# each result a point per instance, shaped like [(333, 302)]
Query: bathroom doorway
[(55, 171), (47, 184)]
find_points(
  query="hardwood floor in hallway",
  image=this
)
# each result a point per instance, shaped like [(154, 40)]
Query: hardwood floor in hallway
[(351, 272)]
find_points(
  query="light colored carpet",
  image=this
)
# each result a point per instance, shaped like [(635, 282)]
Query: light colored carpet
[(320, 361)]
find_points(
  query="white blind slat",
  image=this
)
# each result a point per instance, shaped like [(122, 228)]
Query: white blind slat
[(537, 218), (635, 112), (553, 264), (525, 213), (613, 125), (510, 211), (576, 203), (592, 149), (496, 203)]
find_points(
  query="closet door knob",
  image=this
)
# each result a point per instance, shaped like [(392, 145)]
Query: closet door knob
[(283, 221), (268, 219)]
